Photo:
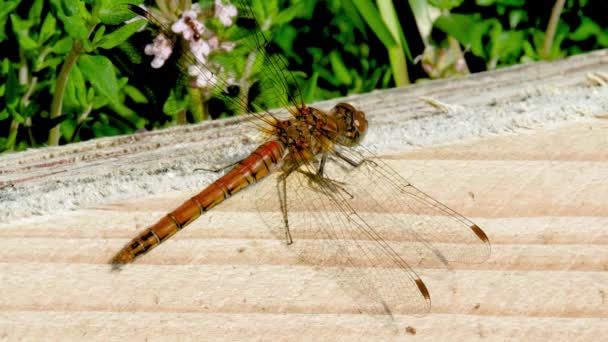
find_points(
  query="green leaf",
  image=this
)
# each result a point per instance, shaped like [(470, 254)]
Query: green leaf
[(117, 37), (136, 95), (507, 44), (63, 45), (75, 90), (122, 82), (90, 95), (516, 17), (48, 29), (5, 66), (293, 11), (21, 29), (174, 105), (70, 7), (128, 114), (99, 33), (67, 128), (16, 116), (97, 101), (4, 144), (100, 72), (116, 12), (4, 114), (445, 4), (586, 29), (12, 88), (469, 30), (397, 53), (75, 26), (311, 87), (35, 12), (352, 16), (339, 68), (6, 8), (372, 17)]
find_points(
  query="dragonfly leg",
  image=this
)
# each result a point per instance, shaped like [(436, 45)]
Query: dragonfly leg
[(321, 182), (348, 160), (322, 165), (282, 190)]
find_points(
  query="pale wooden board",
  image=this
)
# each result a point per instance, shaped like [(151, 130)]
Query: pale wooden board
[(539, 196)]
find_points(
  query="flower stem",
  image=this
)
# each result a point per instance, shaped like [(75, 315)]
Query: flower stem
[(197, 105), (62, 80), (244, 84), (551, 28), (12, 136)]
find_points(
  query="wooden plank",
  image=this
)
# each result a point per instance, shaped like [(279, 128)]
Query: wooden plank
[(539, 194)]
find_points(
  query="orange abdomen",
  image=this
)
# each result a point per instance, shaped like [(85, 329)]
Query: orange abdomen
[(253, 168)]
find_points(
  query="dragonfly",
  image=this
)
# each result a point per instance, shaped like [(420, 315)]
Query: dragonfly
[(334, 203)]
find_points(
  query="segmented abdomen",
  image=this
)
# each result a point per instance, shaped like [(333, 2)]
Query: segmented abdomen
[(253, 168)]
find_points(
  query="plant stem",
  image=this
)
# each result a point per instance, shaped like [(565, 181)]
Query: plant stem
[(244, 84), (25, 99), (62, 80), (181, 117), (551, 28), (396, 53), (12, 136), (197, 105)]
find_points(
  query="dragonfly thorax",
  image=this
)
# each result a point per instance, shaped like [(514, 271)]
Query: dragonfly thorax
[(308, 133), (311, 132)]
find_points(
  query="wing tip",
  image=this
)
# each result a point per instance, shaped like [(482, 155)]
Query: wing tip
[(423, 289), (480, 233)]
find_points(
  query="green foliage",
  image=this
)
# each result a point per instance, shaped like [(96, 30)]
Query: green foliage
[(58, 85), (506, 32), (76, 69)]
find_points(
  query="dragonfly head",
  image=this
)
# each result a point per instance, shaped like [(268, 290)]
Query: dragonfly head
[(351, 122)]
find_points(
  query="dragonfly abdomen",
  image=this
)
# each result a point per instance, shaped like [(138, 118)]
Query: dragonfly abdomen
[(256, 166)]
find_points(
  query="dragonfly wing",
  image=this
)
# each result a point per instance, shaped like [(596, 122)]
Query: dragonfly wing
[(328, 233), (403, 212)]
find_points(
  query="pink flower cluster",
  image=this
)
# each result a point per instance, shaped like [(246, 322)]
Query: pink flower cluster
[(201, 41)]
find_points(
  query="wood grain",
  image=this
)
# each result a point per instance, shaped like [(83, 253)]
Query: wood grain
[(540, 195)]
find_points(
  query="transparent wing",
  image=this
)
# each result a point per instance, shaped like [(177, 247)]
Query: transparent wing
[(328, 233), (365, 225), (402, 211)]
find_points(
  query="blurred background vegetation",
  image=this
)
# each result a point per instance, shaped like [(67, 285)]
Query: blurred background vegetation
[(72, 70)]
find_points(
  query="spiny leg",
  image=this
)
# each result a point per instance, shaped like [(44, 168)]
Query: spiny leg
[(322, 165), (320, 181), (350, 161), (282, 190)]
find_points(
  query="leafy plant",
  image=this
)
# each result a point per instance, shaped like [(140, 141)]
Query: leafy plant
[(58, 81), (505, 32)]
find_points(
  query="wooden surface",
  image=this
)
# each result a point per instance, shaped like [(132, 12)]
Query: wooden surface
[(539, 193)]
